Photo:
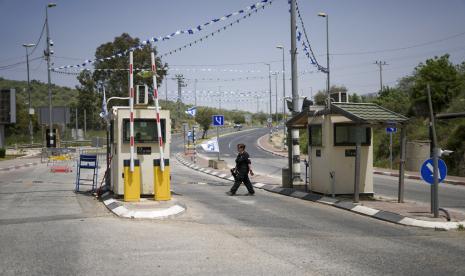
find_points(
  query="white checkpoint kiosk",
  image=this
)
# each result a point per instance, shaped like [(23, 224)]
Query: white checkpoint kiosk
[(145, 142)]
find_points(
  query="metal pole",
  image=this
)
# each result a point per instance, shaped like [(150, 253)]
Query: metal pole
[(327, 61), (218, 140), (295, 97), (284, 103), (276, 98), (193, 138), (380, 64), (219, 100), (403, 148), (29, 92), (390, 150), (269, 79), (435, 157), (195, 92), (85, 123), (76, 121), (166, 89), (48, 57), (357, 166)]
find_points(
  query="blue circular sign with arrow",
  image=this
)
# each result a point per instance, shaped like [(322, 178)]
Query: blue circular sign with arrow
[(427, 171)]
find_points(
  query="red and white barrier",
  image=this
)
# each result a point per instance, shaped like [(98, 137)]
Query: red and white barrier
[(157, 110), (131, 110)]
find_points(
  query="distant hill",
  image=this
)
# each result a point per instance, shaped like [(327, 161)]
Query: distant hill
[(61, 96)]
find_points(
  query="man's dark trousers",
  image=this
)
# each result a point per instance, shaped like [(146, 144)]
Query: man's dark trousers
[(237, 182)]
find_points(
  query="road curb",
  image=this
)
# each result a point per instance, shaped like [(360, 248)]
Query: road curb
[(118, 209), (408, 176), (416, 177), (16, 167), (345, 205)]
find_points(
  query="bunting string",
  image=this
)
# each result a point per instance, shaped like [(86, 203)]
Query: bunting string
[(248, 11), (306, 46)]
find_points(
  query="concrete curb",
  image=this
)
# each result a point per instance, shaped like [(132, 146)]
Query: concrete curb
[(260, 146), (346, 205), (118, 209), (416, 177), (408, 176), (16, 167)]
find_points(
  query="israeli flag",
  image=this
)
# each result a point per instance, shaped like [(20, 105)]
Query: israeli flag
[(211, 145), (192, 111)]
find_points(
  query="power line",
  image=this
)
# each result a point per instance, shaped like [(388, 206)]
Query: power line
[(401, 48)]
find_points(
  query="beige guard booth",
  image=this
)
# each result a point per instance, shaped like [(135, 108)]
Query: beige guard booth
[(333, 138), (146, 148)]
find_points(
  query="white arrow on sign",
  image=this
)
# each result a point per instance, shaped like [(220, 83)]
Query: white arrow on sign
[(431, 168)]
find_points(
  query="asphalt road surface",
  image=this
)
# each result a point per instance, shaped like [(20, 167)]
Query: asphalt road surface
[(450, 196), (47, 229)]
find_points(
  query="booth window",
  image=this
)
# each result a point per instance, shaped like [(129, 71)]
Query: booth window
[(315, 135), (145, 130), (346, 135)]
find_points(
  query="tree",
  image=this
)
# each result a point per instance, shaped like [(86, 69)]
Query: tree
[(116, 82), (354, 98), (204, 118), (394, 99), (444, 80), (320, 98)]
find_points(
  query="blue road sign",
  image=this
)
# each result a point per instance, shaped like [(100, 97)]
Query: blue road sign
[(391, 129), (218, 120), (427, 171)]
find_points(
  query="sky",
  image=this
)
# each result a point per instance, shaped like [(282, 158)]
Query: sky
[(398, 32)]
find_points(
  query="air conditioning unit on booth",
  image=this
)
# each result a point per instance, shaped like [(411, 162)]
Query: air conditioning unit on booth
[(142, 95)]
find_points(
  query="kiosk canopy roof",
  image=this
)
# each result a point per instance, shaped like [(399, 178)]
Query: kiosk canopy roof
[(367, 113)]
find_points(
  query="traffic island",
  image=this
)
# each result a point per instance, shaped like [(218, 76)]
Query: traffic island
[(146, 208)]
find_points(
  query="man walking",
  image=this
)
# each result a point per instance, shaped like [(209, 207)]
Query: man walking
[(241, 171)]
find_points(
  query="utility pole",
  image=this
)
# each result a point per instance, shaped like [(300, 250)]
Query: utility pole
[(31, 134), (256, 98), (181, 83), (195, 92), (47, 55), (276, 98), (166, 88), (294, 149), (219, 99), (380, 64), (271, 112)]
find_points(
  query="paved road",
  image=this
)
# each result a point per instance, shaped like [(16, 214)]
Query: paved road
[(450, 196), (46, 228)]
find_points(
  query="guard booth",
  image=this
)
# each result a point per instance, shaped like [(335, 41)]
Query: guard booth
[(340, 145), (146, 153)]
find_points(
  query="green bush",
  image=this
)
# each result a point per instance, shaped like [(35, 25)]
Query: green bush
[(2, 153)]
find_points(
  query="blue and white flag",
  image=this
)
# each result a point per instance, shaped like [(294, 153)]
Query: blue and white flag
[(211, 145), (192, 111)]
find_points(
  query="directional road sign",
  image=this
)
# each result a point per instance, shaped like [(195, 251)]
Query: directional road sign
[(391, 129), (427, 171), (218, 120)]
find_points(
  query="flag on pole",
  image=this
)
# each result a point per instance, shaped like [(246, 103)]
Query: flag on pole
[(211, 145), (192, 111)]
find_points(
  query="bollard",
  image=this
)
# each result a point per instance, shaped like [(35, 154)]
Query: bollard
[(131, 181), (161, 183)]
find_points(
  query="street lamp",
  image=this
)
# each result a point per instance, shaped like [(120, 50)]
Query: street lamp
[(47, 57), (322, 14), (270, 118), (284, 100), (28, 45)]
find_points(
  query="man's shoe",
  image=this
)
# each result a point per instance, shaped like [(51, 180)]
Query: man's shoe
[(251, 194), (230, 193)]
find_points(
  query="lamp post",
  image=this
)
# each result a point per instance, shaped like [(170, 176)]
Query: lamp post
[(48, 57), (28, 45), (325, 15), (270, 118), (284, 100)]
